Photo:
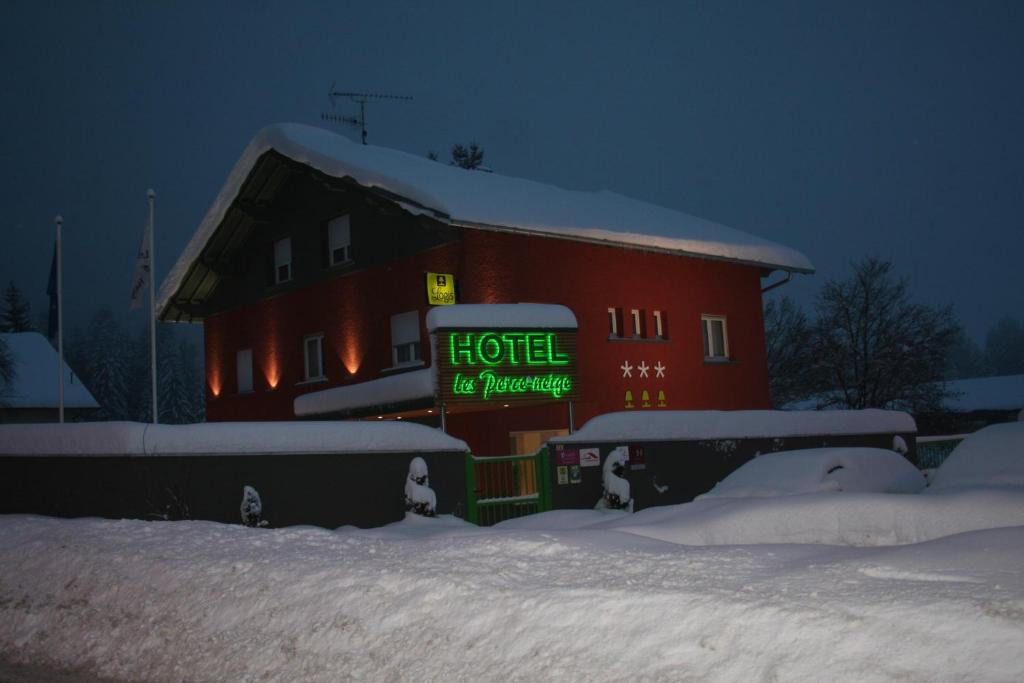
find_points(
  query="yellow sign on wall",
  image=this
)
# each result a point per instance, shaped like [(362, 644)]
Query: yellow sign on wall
[(440, 289)]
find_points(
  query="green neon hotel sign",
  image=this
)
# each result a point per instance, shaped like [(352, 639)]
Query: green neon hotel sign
[(502, 365)]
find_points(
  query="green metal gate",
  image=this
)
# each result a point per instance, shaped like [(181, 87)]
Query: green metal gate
[(505, 487)]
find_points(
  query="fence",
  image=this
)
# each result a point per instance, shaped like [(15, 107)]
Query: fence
[(933, 450), (506, 487)]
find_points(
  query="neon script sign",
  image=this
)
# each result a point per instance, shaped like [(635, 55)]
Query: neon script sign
[(508, 365)]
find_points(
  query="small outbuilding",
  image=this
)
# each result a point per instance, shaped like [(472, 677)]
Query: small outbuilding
[(32, 396)]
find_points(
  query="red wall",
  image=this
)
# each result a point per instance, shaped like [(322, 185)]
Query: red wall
[(491, 267)]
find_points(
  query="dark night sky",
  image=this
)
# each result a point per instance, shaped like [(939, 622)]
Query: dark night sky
[(841, 129)]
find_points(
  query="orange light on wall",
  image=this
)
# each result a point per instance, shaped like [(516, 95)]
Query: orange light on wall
[(350, 356), (272, 372), (214, 383)]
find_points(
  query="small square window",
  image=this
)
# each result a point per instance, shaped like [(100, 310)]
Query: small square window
[(313, 348), (339, 240), (282, 260), (244, 364), (716, 337)]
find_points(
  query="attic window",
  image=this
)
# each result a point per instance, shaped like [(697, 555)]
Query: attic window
[(282, 260), (339, 238)]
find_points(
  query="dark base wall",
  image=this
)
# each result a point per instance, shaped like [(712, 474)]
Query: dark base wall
[(689, 468), (327, 490)]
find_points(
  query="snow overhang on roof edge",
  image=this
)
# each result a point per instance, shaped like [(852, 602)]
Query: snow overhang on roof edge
[(487, 201)]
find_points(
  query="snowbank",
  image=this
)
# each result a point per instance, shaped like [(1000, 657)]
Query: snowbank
[(814, 470), (207, 602), (544, 316), (986, 393), (993, 456), (487, 201), (223, 438), (677, 425)]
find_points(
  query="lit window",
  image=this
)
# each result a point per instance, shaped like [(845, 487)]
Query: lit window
[(614, 323), (282, 260), (405, 339), (716, 337), (637, 317), (244, 364), (339, 240), (660, 324), (313, 346)]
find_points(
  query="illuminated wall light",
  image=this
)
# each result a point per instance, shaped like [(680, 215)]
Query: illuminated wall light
[(214, 386)]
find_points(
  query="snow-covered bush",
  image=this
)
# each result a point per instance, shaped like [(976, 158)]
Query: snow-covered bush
[(420, 499), (617, 494), (991, 457), (814, 470), (252, 507)]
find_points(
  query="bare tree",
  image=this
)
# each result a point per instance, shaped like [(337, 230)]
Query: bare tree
[(875, 348), (790, 367)]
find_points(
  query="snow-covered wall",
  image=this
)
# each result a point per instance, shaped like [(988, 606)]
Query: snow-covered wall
[(223, 438)]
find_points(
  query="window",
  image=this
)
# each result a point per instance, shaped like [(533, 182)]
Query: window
[(244, 364), (314, 351), (405, 339), (339, 240), (282, 260), (716, 338), (614, 323), (637, 317), (660, 324)]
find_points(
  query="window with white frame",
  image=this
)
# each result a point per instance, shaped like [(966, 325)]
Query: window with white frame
[(339, 240), (405, 339), (313, 349), (660, 324), (244, 364), (636, 315), (716, 337), (283, 260)]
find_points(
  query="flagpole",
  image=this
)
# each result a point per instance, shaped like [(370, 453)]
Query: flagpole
[(152, 301), (60, 327)]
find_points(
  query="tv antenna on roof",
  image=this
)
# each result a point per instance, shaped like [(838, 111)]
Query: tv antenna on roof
[(362, 98)]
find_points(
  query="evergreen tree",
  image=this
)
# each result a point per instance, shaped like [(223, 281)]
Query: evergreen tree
[(172, 389), (469, 157), (1004, 347), (966, 359), (193, 376), (107, 351), (7, 370), (16, 316)]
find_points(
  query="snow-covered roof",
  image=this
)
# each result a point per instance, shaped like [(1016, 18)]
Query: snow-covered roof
[(223, 438), (987, 393), (543, 316), (678, 425), (34, 383), (408, 386), (488, 201)]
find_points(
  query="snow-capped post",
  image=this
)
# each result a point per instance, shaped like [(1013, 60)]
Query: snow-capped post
[(419, 497), (252, 507), (152, 299), (616, 488), (60, 326)]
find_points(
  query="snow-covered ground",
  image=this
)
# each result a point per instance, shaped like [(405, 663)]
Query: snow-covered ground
[(876, 587)]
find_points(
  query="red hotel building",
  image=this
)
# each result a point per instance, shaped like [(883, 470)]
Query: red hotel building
[(315, 268)]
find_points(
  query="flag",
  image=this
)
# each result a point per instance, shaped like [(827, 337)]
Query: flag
[(142, 267), (51, 291)]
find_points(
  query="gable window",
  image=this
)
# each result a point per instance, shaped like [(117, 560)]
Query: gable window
[(405, 339), (313, 349), (637, 317), (660, 324), (716, 337), (282, 260), (614, 323), (243, 361), (339, 240)]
